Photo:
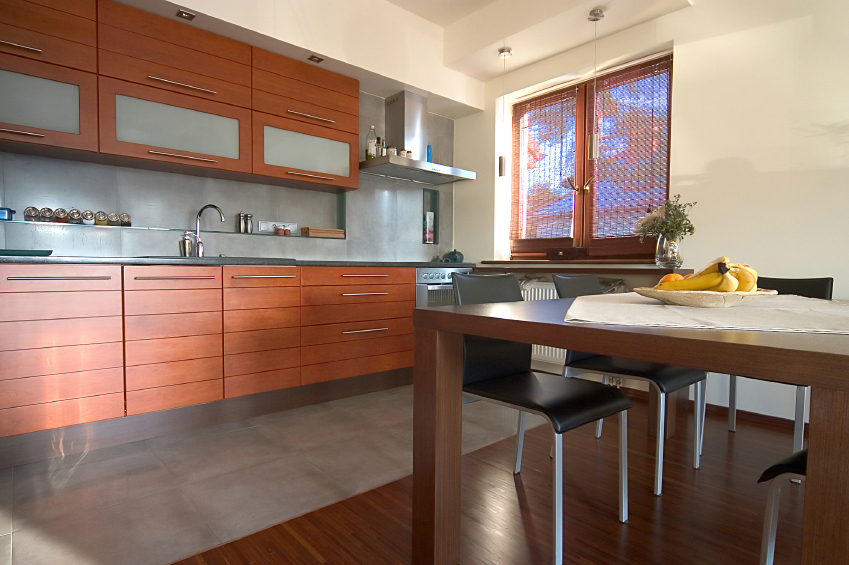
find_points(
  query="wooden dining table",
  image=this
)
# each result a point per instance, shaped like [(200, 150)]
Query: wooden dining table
[(820, 361)]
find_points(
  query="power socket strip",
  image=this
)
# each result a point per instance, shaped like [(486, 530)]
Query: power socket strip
[(272, 225)]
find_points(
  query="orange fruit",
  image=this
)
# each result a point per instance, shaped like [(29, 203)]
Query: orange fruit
[(671, 277), (688, 276)]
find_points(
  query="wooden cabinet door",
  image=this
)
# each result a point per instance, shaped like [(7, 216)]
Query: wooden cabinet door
[(154, 124), (304, 152), (47, 104)]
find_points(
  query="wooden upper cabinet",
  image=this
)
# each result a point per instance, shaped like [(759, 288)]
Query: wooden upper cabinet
[(305, 72), (82, 8), (41, 16), (48, 48)]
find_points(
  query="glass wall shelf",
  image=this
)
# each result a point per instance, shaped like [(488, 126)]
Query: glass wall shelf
[(180, 230)]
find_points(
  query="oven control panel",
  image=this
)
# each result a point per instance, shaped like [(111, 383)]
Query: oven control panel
[(438, 275)]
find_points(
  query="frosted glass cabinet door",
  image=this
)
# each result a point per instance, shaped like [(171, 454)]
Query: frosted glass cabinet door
[(47, 104), (307, 153), (141, 121)]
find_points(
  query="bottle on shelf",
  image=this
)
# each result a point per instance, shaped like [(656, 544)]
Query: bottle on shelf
[(383, 147), (371, 144)]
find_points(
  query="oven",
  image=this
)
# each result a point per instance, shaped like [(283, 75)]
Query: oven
[(433, 285)]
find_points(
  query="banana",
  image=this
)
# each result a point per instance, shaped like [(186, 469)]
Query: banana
[(713, 266), (696, 282), (729, 283), (746, 275)]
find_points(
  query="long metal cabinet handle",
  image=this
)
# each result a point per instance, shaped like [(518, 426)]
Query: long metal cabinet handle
[(311, 116), (183, 156), (182, 84), (170, 278), (103, 278), (313, 176), (365, 275), (364, 331), (363, 293), (21, 46), (22, 132), (264, 276)]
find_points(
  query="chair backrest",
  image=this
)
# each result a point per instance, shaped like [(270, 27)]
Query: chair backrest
[(570, 286), (809, 288), (485, 358)]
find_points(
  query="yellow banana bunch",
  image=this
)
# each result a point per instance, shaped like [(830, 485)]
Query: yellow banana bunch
[(720, 275), (729, 283), (746, 275), (713, 266), (700, 281)]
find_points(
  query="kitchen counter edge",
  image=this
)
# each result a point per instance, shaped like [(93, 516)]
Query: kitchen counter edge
[(217, 261)]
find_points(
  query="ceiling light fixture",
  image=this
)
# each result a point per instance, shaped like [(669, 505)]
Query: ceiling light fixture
[(504, 53), (315, 58), (595, 15), (185, 15)]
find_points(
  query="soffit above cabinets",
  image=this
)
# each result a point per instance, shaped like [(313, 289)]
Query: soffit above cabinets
[(442, 12)]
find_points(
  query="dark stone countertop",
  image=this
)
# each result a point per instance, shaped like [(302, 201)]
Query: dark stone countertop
[(216, 261)]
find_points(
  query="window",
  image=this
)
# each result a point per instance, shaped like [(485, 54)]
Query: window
[(561, 199)]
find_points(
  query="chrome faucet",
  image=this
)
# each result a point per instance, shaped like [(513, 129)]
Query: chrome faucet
[(198, 247)]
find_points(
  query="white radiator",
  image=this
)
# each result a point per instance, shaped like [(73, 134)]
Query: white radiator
[(544, 291)]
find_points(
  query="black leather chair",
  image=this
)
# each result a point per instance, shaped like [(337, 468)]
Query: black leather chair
[(809, 288), (664, 378), (500, 371), (790, 468)]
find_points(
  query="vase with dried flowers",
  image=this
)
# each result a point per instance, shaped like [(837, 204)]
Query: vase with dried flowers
[(669, 224)]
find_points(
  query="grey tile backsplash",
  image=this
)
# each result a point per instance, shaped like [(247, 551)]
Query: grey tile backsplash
[(384, 216)]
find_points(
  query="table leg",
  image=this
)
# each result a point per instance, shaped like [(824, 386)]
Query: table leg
[(826, 523), (671, 412), (437, 439)]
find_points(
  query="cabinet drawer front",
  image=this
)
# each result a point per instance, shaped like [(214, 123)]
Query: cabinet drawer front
[(298, 90), (53, 360), (246, 320), (237, 277), (21, 306), (353, 367), (138, 46), (329, 352), (176, 80), (259, 340), (289, 149), (49, 21), (55, 333), (141, 377), (175, 32), (242, 385), (38, 390), (280, 65), (60, 414), (268, 297), (165, 278), (158, 125), (47, 48), (166, 397), (312, 276), (355, 294), (169, 349), (171, 301), (82, 8), (305, 112), (58, 278), (172, 325), (338, 313), (244, 363), (336, 333)]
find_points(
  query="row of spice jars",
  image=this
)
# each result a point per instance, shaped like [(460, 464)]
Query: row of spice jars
[(74, 216)]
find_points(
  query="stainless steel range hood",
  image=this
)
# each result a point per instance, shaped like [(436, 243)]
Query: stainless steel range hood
[(406, 128)]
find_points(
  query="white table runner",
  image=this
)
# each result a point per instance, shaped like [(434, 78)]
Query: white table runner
[(778, 313)]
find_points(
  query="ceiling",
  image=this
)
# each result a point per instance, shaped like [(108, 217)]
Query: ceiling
[(441, 12)]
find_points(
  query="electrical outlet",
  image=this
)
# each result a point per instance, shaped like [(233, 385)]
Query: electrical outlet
[(271, 226)]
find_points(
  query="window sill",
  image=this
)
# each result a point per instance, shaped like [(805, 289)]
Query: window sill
[(585, 266)]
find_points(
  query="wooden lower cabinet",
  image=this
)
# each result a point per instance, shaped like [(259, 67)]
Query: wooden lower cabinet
[(35, 417), (352, 367), (166, 397), (241, 385)]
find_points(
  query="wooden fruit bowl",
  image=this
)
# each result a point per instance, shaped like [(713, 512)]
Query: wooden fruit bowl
[(703, 298)]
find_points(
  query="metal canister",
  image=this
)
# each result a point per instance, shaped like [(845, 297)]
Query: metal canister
[(45, 215), (88, 218), (100, 219), (75, 216), (249, 223), (125, 220), (31, 214), (60, 216), (241, 225), (112, 219)]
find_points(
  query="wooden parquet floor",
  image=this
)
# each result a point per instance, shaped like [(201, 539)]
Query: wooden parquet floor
[(710, 516)]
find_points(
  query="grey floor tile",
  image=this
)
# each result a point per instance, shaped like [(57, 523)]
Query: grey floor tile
[(295, 413), (207, 456), (197, 434), (252, 499), (310, 432), (6, 549), (383, 413), (362, 398), (5, 507), (362, 466), (76, 459), (154, 530), (50, 495)]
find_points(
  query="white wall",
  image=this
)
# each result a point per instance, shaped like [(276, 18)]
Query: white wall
[(760, 139)]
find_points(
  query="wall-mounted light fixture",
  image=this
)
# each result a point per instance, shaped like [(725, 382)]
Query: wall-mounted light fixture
[(595, 15), (504, 53)]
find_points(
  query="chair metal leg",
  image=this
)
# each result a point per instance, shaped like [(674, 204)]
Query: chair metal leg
[(661, 433), (623, 466), (558, 499), (697, 429), (771, 516), (732, 403), (520, 441), (600, 423), (704, 413), (799, 426)]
